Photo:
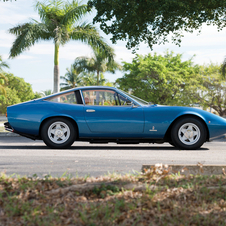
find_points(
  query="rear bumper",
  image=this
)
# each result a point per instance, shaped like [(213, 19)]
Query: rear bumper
[(9, 128)]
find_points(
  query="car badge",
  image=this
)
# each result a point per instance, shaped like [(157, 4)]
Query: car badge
[(153, 129)]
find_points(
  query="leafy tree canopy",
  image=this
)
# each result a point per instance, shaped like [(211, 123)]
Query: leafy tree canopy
[(17, 91), (23, 89), (3, 79), (153, 20), (12, 98), (162, 79), (213, 91)]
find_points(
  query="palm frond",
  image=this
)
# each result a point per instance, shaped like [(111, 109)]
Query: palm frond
[(3, 64), (50, 10), (2, 76), (72, 78), (27, 35), (73, 12), (89, 35)]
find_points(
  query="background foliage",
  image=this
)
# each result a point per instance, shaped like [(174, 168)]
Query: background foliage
[(162, 79), (213, 91), (17, 91), (152, 21)]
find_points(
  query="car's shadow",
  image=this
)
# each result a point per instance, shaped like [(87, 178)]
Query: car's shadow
[(106, 147)]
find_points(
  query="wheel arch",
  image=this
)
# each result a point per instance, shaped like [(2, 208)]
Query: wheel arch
[(167, 136), (60, 116)]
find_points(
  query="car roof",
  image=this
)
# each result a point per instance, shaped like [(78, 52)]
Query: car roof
[(96, 87)]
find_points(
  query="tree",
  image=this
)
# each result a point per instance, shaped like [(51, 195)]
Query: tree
[(23, 89), (76, 76), (17, 91), (161, 79), (73, 77), (223, 69), (47, 92), (12, 98), (152, 21), (59, 21), (213, 92), (90, 79), (3, 78), (98, 64)]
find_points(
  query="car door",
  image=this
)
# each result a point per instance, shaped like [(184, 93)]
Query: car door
[(107, 112)]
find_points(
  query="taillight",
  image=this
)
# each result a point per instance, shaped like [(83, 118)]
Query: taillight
[(6, 114)]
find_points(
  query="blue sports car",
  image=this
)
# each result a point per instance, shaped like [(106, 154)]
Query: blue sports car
[(100, 114)]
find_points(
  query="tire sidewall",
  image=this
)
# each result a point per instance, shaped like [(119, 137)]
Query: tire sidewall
[(177, 126), (51, 144)]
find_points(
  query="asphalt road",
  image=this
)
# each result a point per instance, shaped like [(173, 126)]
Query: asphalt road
[(23, 156)]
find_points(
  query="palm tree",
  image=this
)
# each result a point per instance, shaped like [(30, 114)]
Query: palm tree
[(99, 63), (90, 79), (72, 78), (223, 69), (60, 23), (3, 78), (44, 93)]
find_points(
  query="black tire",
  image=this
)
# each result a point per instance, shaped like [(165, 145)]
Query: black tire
[(58, 133), (188, 133), (172, 143)]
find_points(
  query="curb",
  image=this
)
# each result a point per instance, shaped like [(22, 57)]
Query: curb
[(186, 170), (8, 134)]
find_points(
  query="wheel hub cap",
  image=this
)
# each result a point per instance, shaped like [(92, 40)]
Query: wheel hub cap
[(58, 132), (189, 134)]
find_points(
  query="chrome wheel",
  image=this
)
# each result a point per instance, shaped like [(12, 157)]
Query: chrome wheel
[(58, 132), (189, 133)]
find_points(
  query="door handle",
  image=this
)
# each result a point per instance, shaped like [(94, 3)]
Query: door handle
[(90, 110)]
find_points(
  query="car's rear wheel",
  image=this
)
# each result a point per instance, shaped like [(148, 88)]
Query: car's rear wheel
[(170, 142), (188, 133), (58, 133)]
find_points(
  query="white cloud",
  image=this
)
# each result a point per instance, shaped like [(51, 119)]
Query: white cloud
[(15, 12), (41, 49), (75, 49), (6, 39)]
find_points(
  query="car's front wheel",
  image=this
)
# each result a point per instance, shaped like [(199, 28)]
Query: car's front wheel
[(188, 133), (58, 133)]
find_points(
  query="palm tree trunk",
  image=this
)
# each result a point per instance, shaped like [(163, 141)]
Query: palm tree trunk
[(56, 76), (98, 75)]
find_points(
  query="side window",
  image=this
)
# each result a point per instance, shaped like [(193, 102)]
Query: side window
[(68, 98), (100, 97), (124, 101)]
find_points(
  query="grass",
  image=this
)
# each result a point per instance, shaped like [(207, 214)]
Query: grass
[(165, 199)]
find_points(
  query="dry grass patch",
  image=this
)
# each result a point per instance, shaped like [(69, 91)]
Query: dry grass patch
[(153, 198)]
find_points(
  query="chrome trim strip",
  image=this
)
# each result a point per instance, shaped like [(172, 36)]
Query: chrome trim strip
[(82, 97)]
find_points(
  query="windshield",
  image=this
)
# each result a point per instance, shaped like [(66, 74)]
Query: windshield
[(137, 99)]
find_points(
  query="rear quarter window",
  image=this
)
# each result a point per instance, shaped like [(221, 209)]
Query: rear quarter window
[(67, 98)]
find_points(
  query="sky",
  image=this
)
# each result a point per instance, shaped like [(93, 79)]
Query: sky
[(36, 64)]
